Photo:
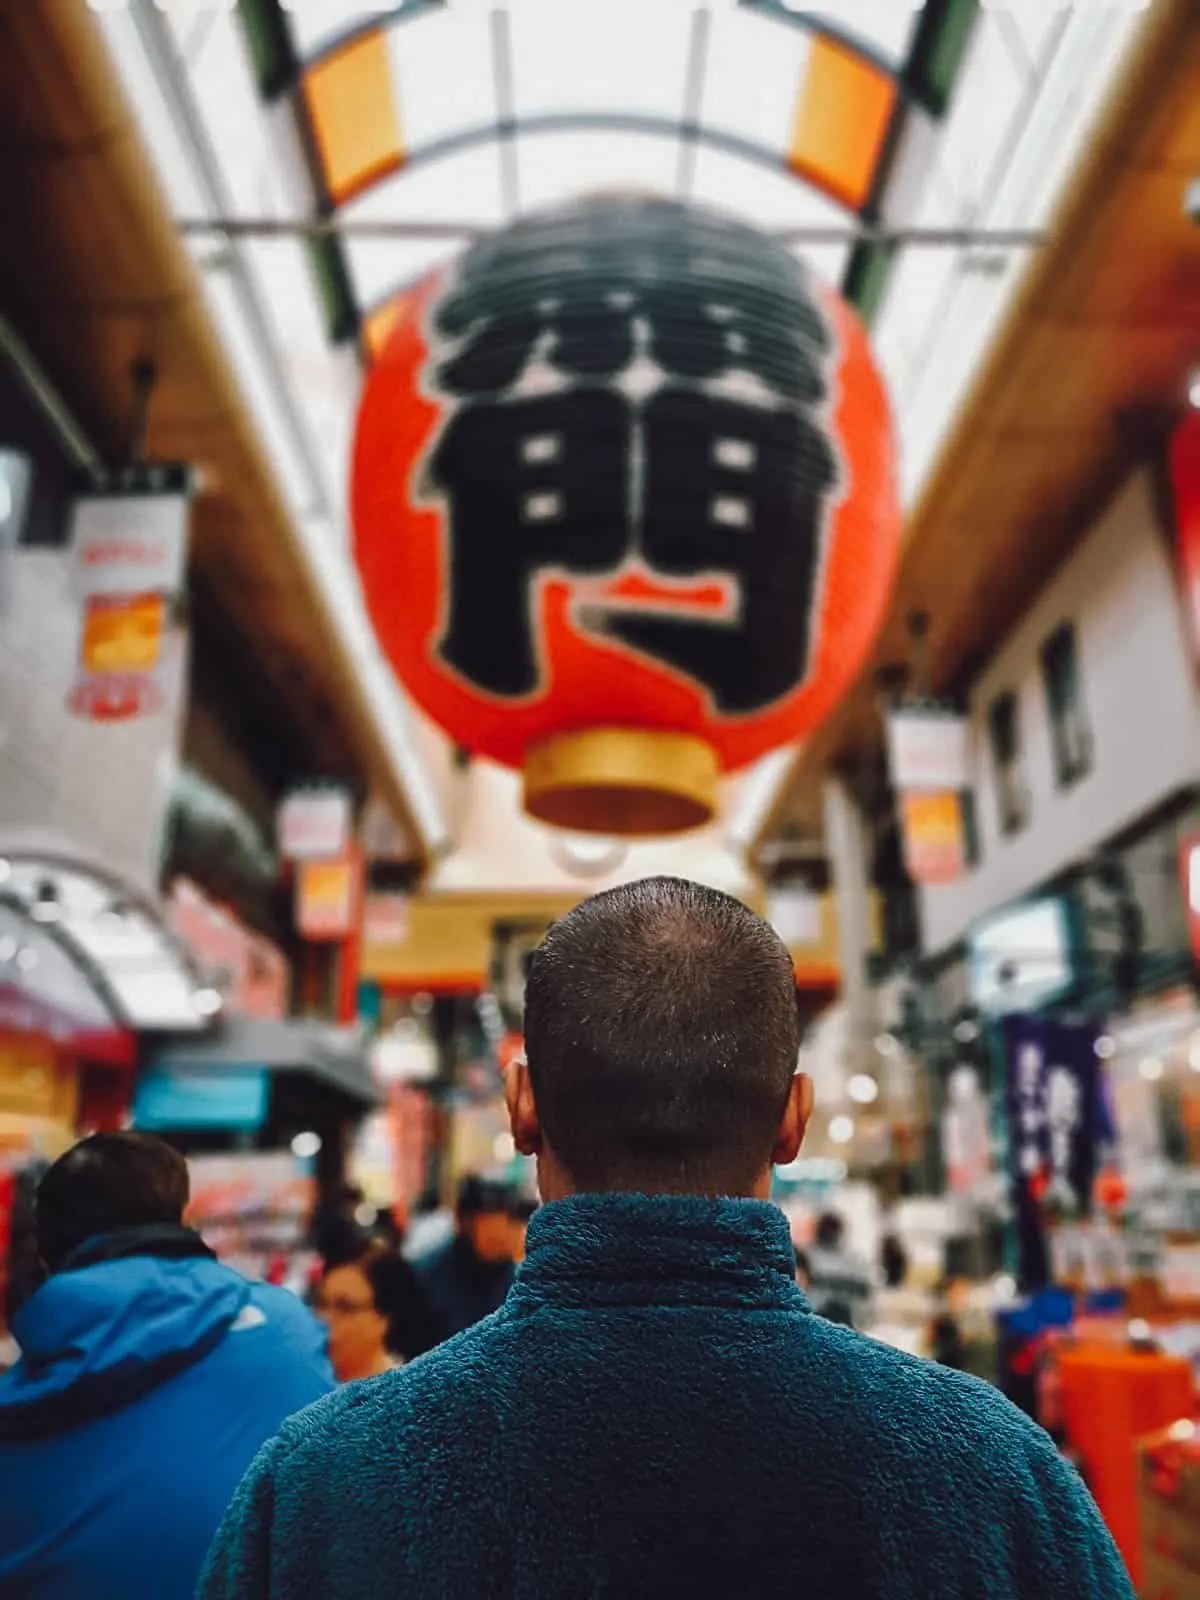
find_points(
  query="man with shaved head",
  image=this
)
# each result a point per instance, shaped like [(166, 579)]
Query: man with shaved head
[(655, 1410)]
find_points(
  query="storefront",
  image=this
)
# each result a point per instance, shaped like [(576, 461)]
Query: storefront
[(259, 1085)]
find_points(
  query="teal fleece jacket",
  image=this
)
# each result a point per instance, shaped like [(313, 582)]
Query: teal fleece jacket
[(655, 1411)]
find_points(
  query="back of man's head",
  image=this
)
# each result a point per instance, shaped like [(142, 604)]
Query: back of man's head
[(662, 1036), (108, 1182)]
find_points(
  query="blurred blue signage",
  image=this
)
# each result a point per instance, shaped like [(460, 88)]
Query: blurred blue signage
[(182, 1097)]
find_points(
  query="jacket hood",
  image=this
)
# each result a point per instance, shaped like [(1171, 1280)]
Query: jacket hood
[(95, 1339)]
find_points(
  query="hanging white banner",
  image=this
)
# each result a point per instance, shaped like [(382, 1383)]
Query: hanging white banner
[(314, 824), (928, 748)]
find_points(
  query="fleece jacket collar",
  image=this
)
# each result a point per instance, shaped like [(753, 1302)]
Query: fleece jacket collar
[(658, 1250)]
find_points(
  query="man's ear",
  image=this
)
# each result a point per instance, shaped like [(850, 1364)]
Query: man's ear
[(522, 1111), (795, 1120)]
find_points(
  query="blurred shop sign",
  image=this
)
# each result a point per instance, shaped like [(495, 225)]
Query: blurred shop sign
[(386, 919), (129, 547), (327, 897), (314, 824), (253, 976), (927, 748), (932, 828), (200, 1097), (1052, 1087), (383, 839), (251, 1208), (1021, 958), (1183, 460)]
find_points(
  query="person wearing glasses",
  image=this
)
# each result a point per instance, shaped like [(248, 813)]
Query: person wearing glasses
[(375, 1312)]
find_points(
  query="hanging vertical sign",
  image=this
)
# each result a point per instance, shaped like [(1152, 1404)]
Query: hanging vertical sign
[(1183, 463), (326, 899), (1052, 1098), (932, 829), (129, 544), (314, 823), (1189, 871), (1052, 1092), (927, 747)]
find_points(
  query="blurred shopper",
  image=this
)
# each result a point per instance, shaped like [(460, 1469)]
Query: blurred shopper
[(337, 1234), (467, 1278), (375, 1313), (946, 1344), (839, 1284), (655, 1412), (150, 1375), (893, 1259)]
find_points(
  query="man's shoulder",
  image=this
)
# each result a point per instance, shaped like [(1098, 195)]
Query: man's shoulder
[(414, 1410), (914, 1402)]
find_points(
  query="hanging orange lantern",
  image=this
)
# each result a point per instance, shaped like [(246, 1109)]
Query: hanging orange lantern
[(625, 506)]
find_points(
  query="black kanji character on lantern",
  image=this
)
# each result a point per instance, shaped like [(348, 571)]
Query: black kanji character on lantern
[(690, 480), (533, 484), (735, 489)]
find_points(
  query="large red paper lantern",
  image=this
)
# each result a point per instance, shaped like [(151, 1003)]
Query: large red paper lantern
[(625, 506)]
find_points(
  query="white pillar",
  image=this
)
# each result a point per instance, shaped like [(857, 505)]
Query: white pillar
[(847, 844)]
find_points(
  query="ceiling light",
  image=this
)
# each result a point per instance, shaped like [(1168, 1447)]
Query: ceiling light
[(863, 1089), (306, 1145), (1106, 1047), (841, 1129), (1151, 1068), (887, 1044), (966, 1031), (1193, 388), (27, 959), (207, 1002)]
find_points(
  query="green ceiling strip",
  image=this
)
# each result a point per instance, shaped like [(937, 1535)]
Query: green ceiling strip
[(867, 274), (928, 79), (277, 72), (269, 40), (334, 287), (943, 34)]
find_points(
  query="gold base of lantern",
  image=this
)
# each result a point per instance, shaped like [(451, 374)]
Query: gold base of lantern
[(622, 781)]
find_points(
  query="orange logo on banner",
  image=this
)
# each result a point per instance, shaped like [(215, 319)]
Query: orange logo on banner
[(933, 836), (119, 656), (122, 633), (326, 899), (626, 496)]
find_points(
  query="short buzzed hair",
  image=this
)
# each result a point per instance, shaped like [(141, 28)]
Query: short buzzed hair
[(104, 1184), (662, 1035)]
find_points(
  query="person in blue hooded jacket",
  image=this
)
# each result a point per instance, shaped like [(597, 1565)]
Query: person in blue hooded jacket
[(149, 1376), (655, 1410)]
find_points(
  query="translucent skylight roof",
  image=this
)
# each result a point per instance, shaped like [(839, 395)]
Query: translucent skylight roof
[(141, 970), (375, 139)]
